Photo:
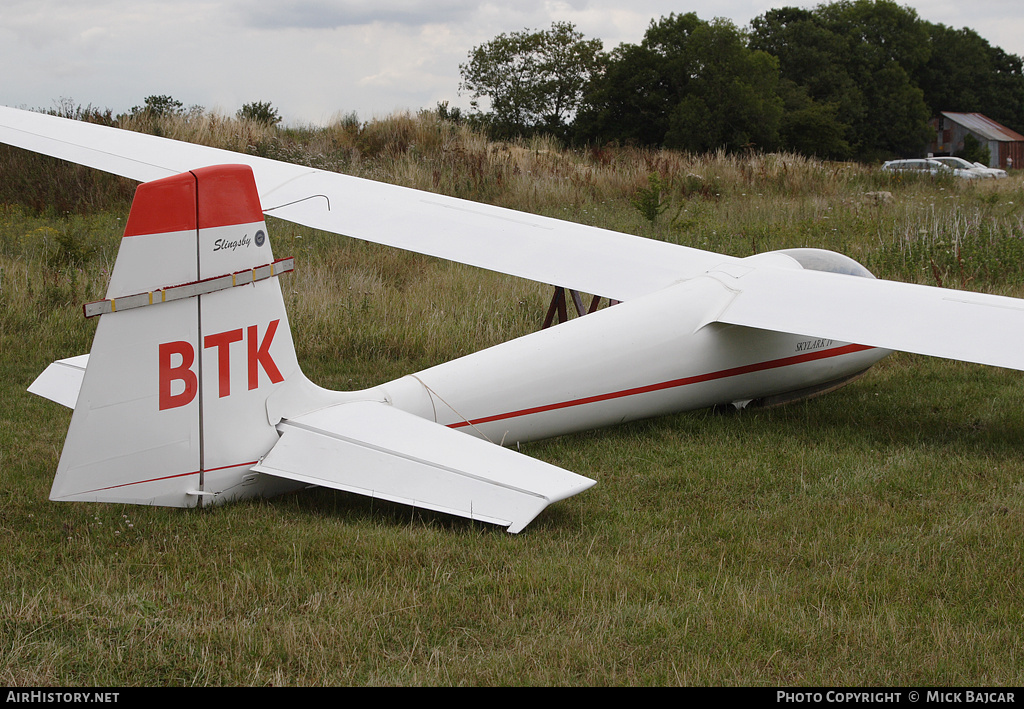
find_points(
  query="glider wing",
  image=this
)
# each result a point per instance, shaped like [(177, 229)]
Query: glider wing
[(939, 322), (585, 258)]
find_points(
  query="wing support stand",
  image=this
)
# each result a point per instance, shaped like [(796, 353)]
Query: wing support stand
[(558, 306)]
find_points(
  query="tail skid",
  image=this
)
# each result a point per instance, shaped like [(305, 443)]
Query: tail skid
[(172, 405)]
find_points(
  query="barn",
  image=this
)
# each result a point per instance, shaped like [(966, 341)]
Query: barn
[(1005, 147)]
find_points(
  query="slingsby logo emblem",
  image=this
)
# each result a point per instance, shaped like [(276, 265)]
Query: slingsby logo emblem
[(260, 237), (232, 244)]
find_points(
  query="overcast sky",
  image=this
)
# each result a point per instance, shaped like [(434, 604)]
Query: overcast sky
[(317, 59)]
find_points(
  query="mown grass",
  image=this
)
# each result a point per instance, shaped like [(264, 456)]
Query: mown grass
[(868, 537)]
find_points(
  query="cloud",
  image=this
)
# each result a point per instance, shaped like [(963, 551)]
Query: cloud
[(330, 14)]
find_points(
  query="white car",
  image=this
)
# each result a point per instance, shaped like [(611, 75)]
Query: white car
[(976, 167), (933, 166), (990, 171)]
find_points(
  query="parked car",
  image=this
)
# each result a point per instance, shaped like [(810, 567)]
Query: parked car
[(993, 171), (932, 166), (977, 167)]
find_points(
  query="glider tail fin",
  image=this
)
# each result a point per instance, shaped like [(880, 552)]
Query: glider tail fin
[(192, 392), (192, 339)]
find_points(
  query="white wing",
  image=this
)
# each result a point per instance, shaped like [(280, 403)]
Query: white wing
[(542, 249), (940, 322)]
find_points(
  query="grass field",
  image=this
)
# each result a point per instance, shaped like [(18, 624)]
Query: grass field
[(868, 537)]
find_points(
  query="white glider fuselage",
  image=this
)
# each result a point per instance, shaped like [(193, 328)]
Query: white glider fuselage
[(658, 354)]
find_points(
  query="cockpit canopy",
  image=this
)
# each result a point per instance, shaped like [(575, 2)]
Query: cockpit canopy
[(829, 261)]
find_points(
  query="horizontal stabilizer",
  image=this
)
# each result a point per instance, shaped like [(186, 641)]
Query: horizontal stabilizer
[(371, 448), (939, 322), (61, 381)]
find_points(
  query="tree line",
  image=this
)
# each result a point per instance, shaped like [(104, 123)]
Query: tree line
[(854, 79), (158, 106)]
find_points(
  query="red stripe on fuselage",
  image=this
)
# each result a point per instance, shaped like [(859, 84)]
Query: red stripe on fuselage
[(710, 376)]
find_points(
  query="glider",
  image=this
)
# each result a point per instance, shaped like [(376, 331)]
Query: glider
[(192, 394)]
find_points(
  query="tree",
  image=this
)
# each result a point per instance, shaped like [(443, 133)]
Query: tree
[(811, 127), (159, 106), (974, 150), (857, 58), (259, 112), (811, 56), (731, 97), (690, 84), (533, 81), (1007, 91), (966, 74), (630, 102)]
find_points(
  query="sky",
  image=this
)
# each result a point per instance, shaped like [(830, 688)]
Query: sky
[(317, 60)]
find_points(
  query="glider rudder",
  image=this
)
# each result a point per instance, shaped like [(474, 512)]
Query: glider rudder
[(192, 338)]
